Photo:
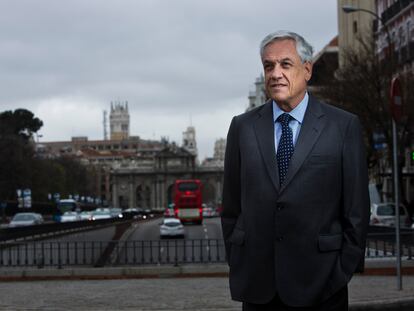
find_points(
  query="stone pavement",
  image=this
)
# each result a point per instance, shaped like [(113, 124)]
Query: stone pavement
[(195, 293)]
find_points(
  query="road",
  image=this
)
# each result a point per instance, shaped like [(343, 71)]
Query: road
[(139, 243), (143, 244), (128, 243)]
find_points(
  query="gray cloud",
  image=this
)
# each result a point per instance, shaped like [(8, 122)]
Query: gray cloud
[(172, 58)]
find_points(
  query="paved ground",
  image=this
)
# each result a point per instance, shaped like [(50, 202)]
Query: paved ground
[(206, 294)]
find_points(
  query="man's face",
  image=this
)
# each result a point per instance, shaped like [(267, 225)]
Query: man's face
[(286, 76)]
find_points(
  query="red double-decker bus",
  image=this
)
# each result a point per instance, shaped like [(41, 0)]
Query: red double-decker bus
[(188, 200)]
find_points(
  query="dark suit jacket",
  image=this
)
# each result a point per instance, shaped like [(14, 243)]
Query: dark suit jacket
[(302, 240)]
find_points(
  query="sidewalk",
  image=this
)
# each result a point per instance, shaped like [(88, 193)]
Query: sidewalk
[(173, 288), (203, 294)]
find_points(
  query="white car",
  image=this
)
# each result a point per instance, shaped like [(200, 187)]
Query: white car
[(86, 215), (171, 227), (383, 214), (70, 216), (101, 214), (116, 212), (26, 219)]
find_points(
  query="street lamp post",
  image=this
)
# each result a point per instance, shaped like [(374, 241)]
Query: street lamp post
[(350, 9)]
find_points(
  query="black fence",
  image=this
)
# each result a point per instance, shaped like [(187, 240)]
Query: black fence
[(149, 252), (383, 245), (111, 253)]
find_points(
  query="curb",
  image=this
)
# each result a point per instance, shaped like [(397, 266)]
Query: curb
[(398, 304), (372, 268), (115, 273)]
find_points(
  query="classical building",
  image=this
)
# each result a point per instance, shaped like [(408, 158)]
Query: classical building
[(150, 186), (133, 172), (354, 27), (189, 140), (119, 120), (218, 158)]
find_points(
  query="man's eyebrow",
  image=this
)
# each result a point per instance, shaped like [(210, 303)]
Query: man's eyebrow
[(286, 59)]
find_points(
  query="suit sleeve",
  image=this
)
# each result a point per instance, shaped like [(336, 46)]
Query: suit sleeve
[(355, 199), (231, 185)]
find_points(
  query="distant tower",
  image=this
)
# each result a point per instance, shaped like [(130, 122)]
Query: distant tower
[(219, 149), (119, 120), (189, 140), (258, 96), (105, 124)]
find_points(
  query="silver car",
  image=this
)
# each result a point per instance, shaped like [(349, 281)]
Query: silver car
[(101, 213), (171, 227), (383, 214), (26, 219), (70, 216), (86, 215)]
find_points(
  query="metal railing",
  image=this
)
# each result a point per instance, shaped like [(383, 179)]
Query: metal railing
[(51, 229), (149, 252), (382, 245), (111, 253)]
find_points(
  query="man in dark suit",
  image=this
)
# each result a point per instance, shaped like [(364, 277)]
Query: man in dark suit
[(295, 197)]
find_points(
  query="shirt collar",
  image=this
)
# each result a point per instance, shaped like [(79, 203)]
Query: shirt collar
[(297, 113)]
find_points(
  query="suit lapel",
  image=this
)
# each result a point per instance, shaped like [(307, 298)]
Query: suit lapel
[(264, 129), (312, 126)]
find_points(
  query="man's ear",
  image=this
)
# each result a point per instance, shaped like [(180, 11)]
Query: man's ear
[(308, 70)]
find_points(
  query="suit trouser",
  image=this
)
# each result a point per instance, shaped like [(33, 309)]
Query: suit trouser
[(337, 302)]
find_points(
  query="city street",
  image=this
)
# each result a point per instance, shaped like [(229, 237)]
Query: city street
[(138, 243)]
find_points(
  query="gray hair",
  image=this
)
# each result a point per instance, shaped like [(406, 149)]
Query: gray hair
[(303, 48)]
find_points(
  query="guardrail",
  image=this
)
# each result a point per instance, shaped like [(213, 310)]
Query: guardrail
[(147, 252), (51, 229)]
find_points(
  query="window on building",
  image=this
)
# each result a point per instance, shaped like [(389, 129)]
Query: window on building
[(394, 40), (410, 27), (402, 37), (355, 27)]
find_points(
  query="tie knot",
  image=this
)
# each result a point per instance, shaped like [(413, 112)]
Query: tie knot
[(284, 119)]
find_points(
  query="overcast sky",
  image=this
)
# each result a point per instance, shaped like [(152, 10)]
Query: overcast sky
[(174, 61)]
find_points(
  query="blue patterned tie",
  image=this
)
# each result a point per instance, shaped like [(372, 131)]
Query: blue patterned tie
[(285, 147)]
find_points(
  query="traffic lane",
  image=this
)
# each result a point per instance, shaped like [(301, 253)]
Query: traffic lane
[(102, 234), (150, 230), (82, 248), (144, 245), (145, 230)]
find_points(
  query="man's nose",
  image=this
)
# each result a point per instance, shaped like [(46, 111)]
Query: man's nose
[(277, 72)]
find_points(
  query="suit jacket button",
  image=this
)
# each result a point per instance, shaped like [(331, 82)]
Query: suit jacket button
[(279, 206), (279, 238)]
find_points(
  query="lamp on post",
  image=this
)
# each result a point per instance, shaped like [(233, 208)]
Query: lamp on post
[(351, 9)]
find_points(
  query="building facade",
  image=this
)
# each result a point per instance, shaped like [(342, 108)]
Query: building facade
[(397, 30), (217, 160), (395, 42), (189, 140), (119, 120), (257, 97), (354, 27), (133, 172)]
